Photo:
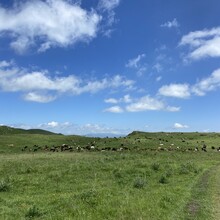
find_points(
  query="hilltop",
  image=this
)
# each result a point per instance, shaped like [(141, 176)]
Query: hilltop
[(6, 130)]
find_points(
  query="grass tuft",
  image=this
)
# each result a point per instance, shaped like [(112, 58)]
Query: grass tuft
[(5, 185), (33, 212), (163, 180), (155, 166), (139, 183)]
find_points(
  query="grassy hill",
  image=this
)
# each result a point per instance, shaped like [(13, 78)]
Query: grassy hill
[(5, 130), (155, 176), (13, 140)]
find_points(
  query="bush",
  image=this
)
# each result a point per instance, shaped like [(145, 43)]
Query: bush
[(139, 183), (33, 212)]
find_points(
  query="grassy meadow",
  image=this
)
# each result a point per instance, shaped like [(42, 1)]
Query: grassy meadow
[(153, 176)]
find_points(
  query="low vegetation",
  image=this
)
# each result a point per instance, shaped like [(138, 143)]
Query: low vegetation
[(133, 177)]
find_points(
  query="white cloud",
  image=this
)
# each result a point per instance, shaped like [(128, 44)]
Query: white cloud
[(202, 44), (207, 84), (124, 99), (141, 70), (71, 128), (158, 78), (41, 87), (135, 62), (158, 67), (111, 100), (173, 109), (4, 64), (180, 126), (53, 124), (49, 23), (148, 103), (108, 5), (114, 109), (145, 103), (36, 97), (171, 24), (175, 90), (210, 83)]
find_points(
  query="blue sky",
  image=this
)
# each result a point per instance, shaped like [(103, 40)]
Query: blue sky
[(110, 66)]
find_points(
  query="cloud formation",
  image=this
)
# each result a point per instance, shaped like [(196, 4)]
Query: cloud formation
[(175, 90), (208, 84), (171, 24), (50, 23), (84, 129), (135, 62), (124, 99), (180, 126), (145, 103), (107, 7), (202, 44), (114, 109), (40, 86), (201, 88)]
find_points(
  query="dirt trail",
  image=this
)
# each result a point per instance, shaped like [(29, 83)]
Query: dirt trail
[(205, 201), (215, 192)]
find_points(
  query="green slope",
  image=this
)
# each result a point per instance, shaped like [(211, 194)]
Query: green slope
[(5, 130)]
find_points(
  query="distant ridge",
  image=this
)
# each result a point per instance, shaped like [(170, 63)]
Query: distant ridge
[(6, 130)]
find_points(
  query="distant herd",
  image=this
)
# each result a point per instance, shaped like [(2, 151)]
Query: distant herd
[(91, 147)]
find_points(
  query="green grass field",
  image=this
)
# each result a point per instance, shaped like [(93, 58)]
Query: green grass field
[(157, 177)]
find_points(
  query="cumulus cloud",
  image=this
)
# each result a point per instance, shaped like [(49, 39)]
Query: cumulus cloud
[(5, 63), (210, 83), (207, 84), (171, 24), (145, 103), (40, 86), (202, 44), (148, 103), (125, 99), (180, 126), (114, 109), (37, 97), (53, 124), (111, 100), (50, 23), (175, 90)]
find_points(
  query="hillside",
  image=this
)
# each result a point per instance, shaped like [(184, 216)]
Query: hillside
[(5, 130)]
